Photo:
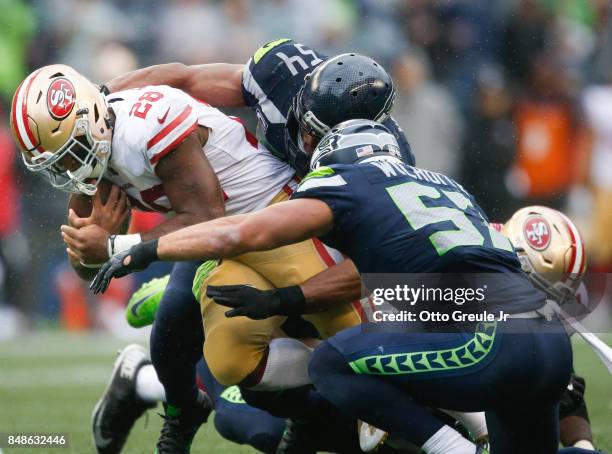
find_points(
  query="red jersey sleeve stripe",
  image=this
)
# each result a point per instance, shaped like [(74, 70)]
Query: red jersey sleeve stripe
[(175, 143), (169, 128)]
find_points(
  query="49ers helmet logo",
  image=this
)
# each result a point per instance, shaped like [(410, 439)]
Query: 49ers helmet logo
[(537, 232), (60, 98)]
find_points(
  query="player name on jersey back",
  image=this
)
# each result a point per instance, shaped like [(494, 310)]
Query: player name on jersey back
[(153, 121)]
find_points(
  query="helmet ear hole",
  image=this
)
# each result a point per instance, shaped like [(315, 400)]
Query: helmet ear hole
[(96, 113)]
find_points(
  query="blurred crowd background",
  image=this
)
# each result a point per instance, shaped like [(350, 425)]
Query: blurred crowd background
[(511, 97)]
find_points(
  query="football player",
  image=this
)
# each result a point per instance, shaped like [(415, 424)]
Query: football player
[(393, 218), (171, 356), (167, 152), (551, 252), (298, 94)]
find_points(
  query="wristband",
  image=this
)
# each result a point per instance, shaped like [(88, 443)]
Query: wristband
[(288, 301), (144, 254), (120, 243)]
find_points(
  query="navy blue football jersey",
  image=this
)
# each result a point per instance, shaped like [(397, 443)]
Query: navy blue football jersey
[(390, 217), (271, 79)]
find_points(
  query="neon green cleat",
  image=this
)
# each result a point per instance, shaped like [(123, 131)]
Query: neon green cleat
[(142, 307)]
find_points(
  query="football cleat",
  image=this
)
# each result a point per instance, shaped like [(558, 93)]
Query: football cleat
[(297, 438), (181, 425), (143, 304), (119, 407), (370, 438)]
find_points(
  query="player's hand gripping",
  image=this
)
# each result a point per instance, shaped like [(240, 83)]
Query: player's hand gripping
[(258, 304), (110, 216), (87, 244), (137, 258), (86, 237)]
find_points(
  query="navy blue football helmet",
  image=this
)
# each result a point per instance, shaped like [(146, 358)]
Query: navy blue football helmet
[(345, 87), (353, 141)]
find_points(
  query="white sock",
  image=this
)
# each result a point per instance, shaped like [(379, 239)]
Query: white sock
[(584, 444), (475, 423), (148, 386), (287, 365), (448, 440)]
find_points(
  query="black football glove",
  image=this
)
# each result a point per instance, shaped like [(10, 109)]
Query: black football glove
[(258, 304), (572, 401), (137, 258)]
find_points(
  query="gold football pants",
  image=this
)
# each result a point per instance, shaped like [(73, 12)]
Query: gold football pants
[(234, 347)]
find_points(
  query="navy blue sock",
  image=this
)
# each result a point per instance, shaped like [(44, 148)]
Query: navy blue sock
[(371, 398), (177, 336), (237, 421)]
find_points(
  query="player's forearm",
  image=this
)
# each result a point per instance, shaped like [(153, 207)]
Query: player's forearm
[(166, 74), (339, 284), (219, 84), (180, 221), (220, 238)]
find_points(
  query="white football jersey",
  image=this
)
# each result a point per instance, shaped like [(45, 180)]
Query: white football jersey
[(152, 121)]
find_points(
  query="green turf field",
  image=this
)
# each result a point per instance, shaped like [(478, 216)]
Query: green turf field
[(50, 381)]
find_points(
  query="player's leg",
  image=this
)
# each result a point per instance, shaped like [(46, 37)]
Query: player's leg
[(121, 404), (176, 341), (177, 336), (236, 347), (291, 265), (468, 372), (393, 409)]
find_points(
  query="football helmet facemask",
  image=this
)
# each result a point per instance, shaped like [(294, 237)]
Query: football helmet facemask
[(63, 127), (550, 250)]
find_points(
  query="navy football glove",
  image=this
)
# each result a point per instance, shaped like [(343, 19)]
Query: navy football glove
[(137, 258)]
